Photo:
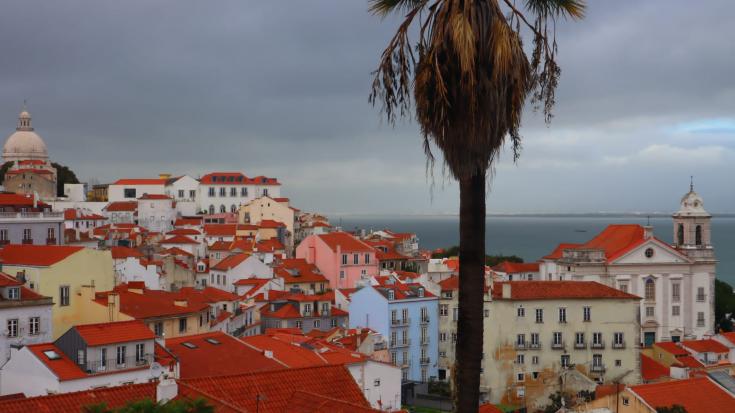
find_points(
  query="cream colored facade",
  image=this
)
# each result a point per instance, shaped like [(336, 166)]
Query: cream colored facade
[(267, 208), (524, 370), (85, 267), (448, 306)]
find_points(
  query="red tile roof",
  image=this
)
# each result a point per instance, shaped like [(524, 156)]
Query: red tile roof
[(178, 251), (119, 253), (121, 206), (117, 332), (696, 395), (651, 370), (230, 356), (36, 255), (74, 215), (297, 270), (285, 311), (689, 361), (450, 284), (305, 402), (184, 231), (206, 294), (347, 242), (729, 336), (8, 199), (179, 239), (559, 250), (188, 221), (63, 367), (401, 290), (553, 290), (515, 267), (155, 196), (26, 294), (489, 408), (141, 181), (231, 262), (235, 178), (269, 223), (273, 391), (706, 346), (149, 304), (220, 230), (270, 245), (75, 402)]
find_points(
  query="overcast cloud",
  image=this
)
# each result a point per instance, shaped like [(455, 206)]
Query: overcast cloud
[(134, 88)]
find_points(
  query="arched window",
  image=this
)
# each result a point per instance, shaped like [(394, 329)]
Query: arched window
[(211, 209), (233, 208), (698, 235), (650, 289), (222, 209), (680, 235)]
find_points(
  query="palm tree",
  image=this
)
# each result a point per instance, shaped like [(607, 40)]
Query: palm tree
[(468, 77)]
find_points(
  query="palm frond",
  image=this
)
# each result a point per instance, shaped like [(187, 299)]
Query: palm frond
[(552, 8), (385, 7)]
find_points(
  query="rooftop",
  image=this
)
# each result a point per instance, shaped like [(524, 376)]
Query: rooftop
[(696, 395), (346, 242), (115, 332), (36, 255), (140, 181), (553, 290)]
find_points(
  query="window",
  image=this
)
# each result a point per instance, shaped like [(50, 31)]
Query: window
[(404, 315), (51, 232), (233, 208), (391, 295), (587, 313), (120, 355), (192, 193), (298, 324), (623, 286), (520, 377), (444, 310), (442, 336), (129, 193), (211, 210), (182, 325), (557, 338), (454, 337), (181, 193), (520, 359), (486, 313), (579, 339), (675, 310), (698, 235), (675, 292), (158, 328), (139, 353), (626, 401), (13, 327), (376, 382), (618, 339), (222, 191), (534, 360), (233, 191), (618, 363), (562, 315), (265, 191), (650, 289), (103, 358), (597, 339), (334, 322), (34, 324), (13, 293), (367, 258), (243, 191), (64, 295), (344, 259), (565, 360), (700, 294), (211, 191), (597, 360), (539, 315), (80, 356), (355, 259), (521, 312), (3, 235), (650, 311), (27, 236), (521, 340), (700, 319), (455, 314), (649, 252), (534, 339), (222, 209), (341, 274)]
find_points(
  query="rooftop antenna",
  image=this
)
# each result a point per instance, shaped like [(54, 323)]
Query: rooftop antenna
[(691, 183)]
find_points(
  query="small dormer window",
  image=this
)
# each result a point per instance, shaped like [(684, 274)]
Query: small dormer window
[(421, 292), (391, 295), (13, 293)]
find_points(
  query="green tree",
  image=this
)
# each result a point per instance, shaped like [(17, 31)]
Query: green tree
[(724, 305), (467, 76), (676, 408)]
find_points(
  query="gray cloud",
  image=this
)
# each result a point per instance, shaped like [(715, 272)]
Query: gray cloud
[(123, 89)]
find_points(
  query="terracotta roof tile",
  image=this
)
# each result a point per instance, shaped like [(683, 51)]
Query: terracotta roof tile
[(125, 252), (515, 267), (231, 262), (706, 346), (297, 270), (552, 290), (151, 303), (121, 206), (347, 242), (62, 367), (117, 332), (139, 181), (697, 395), (651, 369), (179, 239), (75, 402), (36, 255)]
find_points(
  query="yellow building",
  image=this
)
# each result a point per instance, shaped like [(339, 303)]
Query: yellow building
[(60, 272), (269, 209)]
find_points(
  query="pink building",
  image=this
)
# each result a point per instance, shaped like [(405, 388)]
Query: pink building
[(343, 259)]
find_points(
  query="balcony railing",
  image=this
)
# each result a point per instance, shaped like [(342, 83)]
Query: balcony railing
[(31, 215), (50, 241), (100, 366), (598, 345), (557, 345), (597, 368), (618, 345), (580, 346), (534, 346), (27, 241), (398, 344), (425, 320), (424, 340), (520, 346), (425, 360), (400, 322)]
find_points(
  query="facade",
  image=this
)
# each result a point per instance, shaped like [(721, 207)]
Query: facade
[(121, 212), (343, 259), (300, 276), (225, 192), (225, 274), (84, 357), (543, 332), (60, 272), (407, 315), (25, 316), (448, 312), (303, 312), (132, 189), (267, 208), (185, 191), (24, 219), (676, 281), (156, 213)]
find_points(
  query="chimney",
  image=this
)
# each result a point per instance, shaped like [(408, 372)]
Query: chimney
[(166, 390), (647, 231), (506, 291)]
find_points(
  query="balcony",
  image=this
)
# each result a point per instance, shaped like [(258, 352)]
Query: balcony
[(36, 216), (534, 346), (557, 345), (520, 346), (598, 345), (399, 344), (425, 320), (100, 366), (580, 346), (50, 241), (424, 340), (27, 241), (701, 298), (425, 360), (618, 345), (597, 368), (400, 322)]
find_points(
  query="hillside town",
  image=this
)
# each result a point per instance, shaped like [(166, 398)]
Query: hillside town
[(218, 287)]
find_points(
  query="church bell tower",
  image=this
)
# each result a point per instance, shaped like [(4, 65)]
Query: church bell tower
[(692, 227)]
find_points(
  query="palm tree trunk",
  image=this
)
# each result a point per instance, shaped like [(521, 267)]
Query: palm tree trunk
[(471, 290)]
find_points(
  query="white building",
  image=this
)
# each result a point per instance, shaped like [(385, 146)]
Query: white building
[(221, 192), (121, 212), (156, 212), (132, 189), (676, 281), (25, 316), (185, 191), (85, 357), (227, 272), (130, 266)]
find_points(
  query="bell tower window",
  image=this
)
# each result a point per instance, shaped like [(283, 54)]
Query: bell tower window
[(680, 234), (698, 235)]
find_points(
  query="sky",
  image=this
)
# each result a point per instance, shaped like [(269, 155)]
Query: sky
[(279, 88)]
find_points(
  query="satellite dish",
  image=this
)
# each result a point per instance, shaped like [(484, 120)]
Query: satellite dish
[(155, 370)]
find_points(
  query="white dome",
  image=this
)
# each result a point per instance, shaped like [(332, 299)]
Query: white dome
[(692, 205), (24, 143)]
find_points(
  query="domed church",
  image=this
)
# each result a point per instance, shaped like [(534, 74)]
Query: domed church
[(31, 171)]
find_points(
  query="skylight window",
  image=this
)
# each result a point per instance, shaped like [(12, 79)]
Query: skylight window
[(213, 341), (52, 355), (188, 344)]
